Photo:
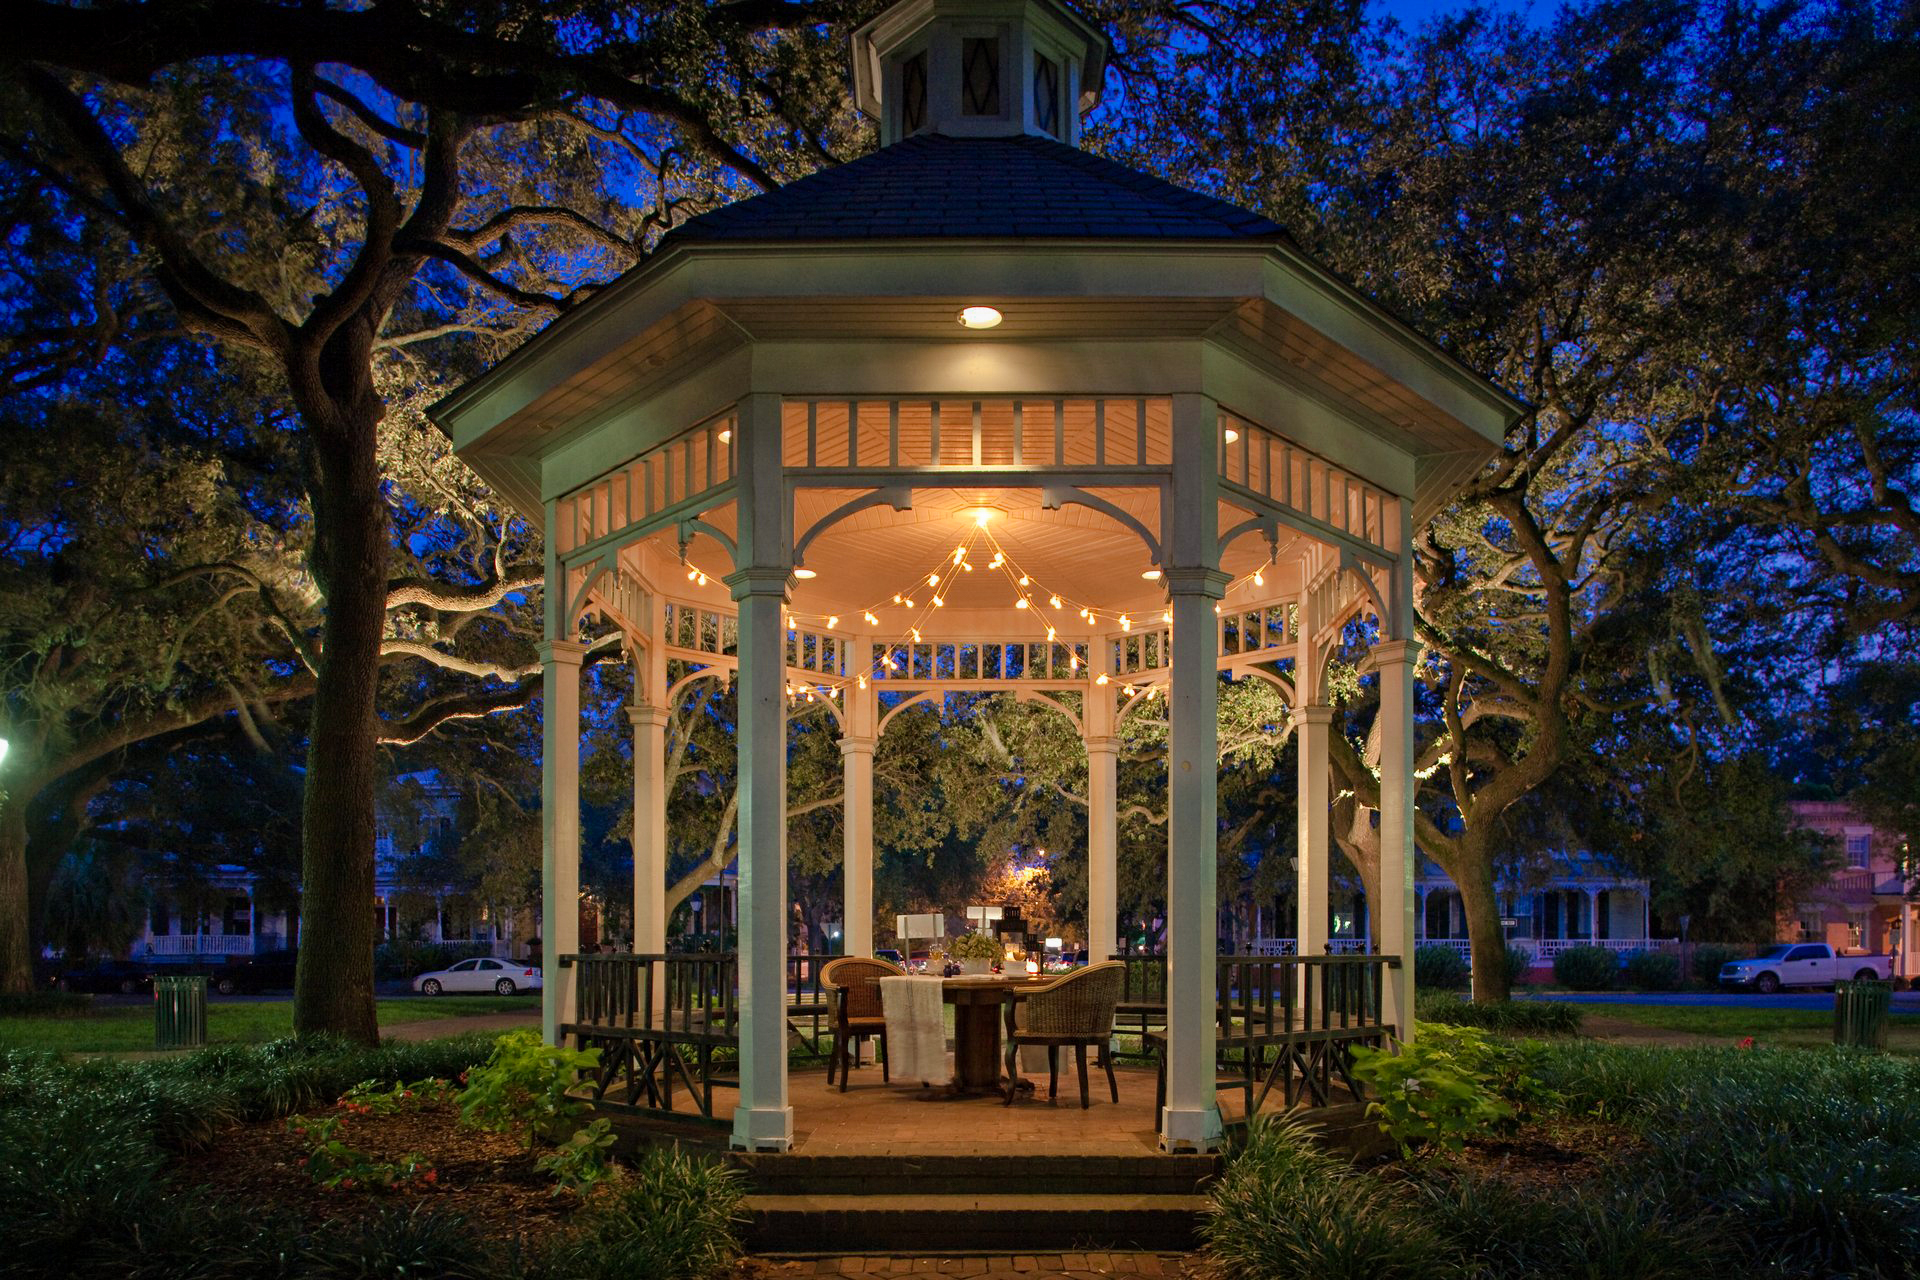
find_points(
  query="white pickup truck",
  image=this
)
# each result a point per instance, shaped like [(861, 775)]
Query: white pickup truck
[(1801, 964)]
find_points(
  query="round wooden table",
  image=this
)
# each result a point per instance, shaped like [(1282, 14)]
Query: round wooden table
[(976, 1005)]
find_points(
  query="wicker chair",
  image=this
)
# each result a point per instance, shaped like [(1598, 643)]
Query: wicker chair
[(854, 985), (1076, 1010)]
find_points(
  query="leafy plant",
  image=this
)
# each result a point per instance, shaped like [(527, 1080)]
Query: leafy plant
[(332, 1163), (974, 946), (523, 1086), (1450, 1083), (582, 1161), (1711, 957), (1586, 968), (672, 1217), (377, 1098), (1652, 971), (1440, 969)]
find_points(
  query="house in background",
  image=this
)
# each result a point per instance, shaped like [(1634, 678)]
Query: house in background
[(1574, 899), (1867, 907)]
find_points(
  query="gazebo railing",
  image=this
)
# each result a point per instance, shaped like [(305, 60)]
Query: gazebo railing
[(661, 1023)]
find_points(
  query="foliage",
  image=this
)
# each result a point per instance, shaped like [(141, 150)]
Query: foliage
[(1519, 963), (379, 1098), (1529, 1017), (973, 946), (1438, 968), (522, 1087), (1287, 1210), (330, 1162), (1449, 1084), (583, 1161), (1711, 957), (1651, 971), (1586, 968), (672, 1217), (395, 960)]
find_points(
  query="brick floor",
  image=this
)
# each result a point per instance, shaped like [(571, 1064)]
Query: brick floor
[(1071, 1266)]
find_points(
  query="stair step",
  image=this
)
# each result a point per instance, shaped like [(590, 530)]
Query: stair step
[(972, 1223), (965, 1174)]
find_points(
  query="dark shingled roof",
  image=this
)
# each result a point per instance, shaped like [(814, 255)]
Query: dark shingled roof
[(931, 187)]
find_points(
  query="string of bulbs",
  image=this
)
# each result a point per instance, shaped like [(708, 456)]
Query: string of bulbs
[(932, 585)]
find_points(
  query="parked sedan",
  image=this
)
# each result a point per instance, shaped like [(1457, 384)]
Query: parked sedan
[(262, 971), (107, 977), (502, 977)]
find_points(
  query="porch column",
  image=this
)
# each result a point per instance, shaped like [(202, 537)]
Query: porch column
[(856, 865), (1103, 755), (762, 1120), (1593, 914), (559, 825), (1311, 726), (649, 828), (1394, 661), (1191, 1121)]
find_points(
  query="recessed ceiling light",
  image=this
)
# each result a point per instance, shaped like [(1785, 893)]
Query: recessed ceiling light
[(726, 437), (1232, 435), (1151, 575), (805, 573), (979, 317), (983, 515)]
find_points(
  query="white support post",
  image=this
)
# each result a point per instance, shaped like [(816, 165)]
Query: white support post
[(763, 1120), (1191, 1120), (559, 825), (1394, 661), (649, 828), (1311, 726), (1593, 914), (857, 744), (1103, 799)]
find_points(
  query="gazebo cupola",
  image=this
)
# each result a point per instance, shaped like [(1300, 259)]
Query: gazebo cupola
[(1178, 452), (964, 68)]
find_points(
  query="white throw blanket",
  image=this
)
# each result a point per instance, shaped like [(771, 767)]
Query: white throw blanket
[(916, 1030)]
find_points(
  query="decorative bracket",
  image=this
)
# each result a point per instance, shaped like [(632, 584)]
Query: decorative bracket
[(1053, 497), (899, 497), (692, 524)]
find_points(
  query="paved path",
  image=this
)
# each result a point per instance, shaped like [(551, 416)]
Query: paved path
[(1045, 1266)]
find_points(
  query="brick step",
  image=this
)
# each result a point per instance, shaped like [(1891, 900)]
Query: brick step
[(853, 1175), (995, 1223)]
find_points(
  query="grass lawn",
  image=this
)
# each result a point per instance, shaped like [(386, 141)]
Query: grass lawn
[(1805, 1028), (129, 1028)]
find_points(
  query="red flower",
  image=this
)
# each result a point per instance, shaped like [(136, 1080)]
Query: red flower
[(303, 1162), (432, 1175), (1746, 1043), (347, 1183)]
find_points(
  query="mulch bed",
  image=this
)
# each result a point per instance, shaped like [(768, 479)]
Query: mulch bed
[(1544, 1156), (486, 1178)]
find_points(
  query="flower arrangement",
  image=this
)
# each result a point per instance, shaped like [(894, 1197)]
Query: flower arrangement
[(974, 946)]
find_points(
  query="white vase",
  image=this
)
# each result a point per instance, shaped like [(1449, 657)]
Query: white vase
[(975, 968)]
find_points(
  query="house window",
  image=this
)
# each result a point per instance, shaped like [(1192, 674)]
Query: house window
[(1857, 930), (980, 76), (238, 918), (1859, 848), (913, 93), (159, 917), (1046, 94)]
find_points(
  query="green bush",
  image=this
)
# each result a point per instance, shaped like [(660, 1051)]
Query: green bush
[(1439, 969), (395, 960), (1710, 957), (1530, 1017), (1449, 1084), (671, 1218), (1519, 962), (1286, 1209), (522, 1088), (1652, 971), (45, 1004), (1586, 968)]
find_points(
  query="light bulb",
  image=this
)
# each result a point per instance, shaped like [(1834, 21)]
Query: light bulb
[(1167, 616), (1021, 603), (702, 580), (1259, 578), (1216, 611), (1127, 689), (1126, 623), (909, 602), (1024, 579), (1231, 435), (915, 633), (1151, 575), (873, 621), (983, 515), (1050, 635), (896, 597), (979, 317), (1073, 662), (967, 565), (1100, 679), (933, 579), (1056, 602), (1087, 614), (939, 602), (833, 619), (959, 554), (692, 574), (726, 435), (804, 574), (863, 682)]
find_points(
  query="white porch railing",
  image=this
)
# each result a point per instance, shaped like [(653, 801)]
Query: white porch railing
[(1548, 948), (1543, 949), (204, 944), (1286, 946)]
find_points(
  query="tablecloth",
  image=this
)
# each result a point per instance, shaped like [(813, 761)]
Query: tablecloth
[(916, 1029)]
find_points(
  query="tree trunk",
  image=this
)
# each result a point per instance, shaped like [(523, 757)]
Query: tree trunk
[(333, 987), (16, 954), (1480, 902)]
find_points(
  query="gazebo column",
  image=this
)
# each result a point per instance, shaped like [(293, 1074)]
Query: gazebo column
[(1191, 1121), (1394, 661), (857, 742), (559, 820), (1103, 824), (1311, 726), (649, 828), (762, 1120)]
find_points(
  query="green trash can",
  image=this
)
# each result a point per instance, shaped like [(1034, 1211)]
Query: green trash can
[(1860, 1014), (180, 1012)]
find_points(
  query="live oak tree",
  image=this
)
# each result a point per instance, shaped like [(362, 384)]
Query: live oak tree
[(292, 183)]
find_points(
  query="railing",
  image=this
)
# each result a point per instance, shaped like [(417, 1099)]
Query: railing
[(202, 944), (657, 1019), (1287, 947), (1548, 948)]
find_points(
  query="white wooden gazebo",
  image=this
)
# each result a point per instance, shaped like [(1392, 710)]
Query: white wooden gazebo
[(979, 411)]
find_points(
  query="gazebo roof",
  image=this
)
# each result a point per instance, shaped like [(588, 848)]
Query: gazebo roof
[(931, 187)]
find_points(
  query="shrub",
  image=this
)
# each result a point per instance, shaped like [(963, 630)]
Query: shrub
[(523, 1086), (1286, 1208), (1450, 1083), (1532, 1017), (1439, 969), (45, 1004), (1652, 971), (1519, 962), (395, 960), (1586, 968), (672, 1218), (1710, 957), (582, 1161)]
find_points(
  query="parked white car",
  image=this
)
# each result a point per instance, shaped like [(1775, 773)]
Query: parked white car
[(1801, 964), (502, 977)]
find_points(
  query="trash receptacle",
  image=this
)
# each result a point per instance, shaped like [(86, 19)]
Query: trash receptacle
[(1860, 1013), (180, 1012)]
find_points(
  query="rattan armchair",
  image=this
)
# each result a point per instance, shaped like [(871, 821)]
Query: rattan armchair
[(854, 982), (1075, 1010)]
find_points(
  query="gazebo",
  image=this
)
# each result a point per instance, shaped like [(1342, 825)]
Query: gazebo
[(979, 411)]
